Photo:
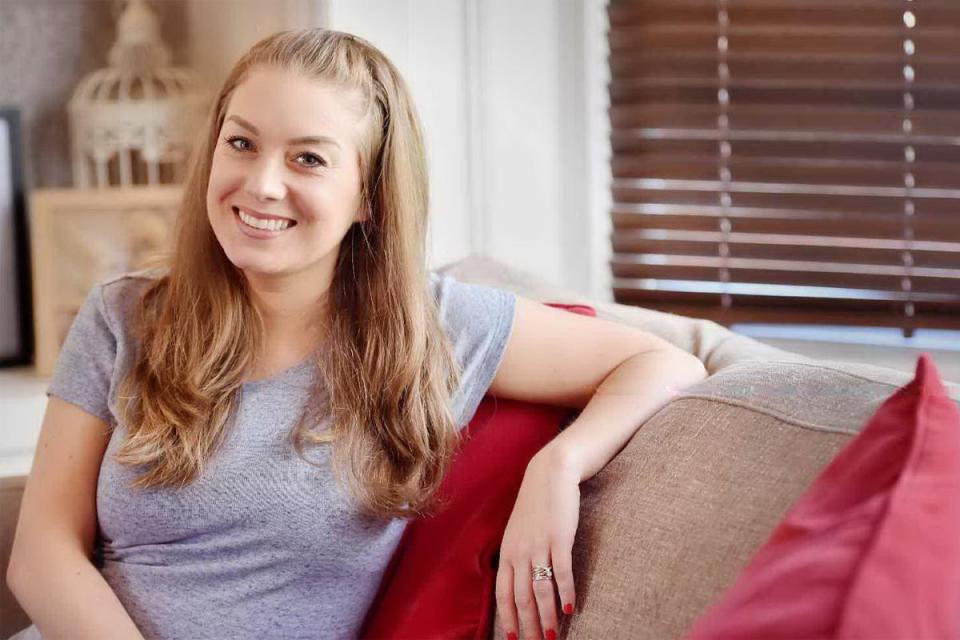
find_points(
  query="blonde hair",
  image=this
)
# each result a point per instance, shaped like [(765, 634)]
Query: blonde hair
[(388, 370)]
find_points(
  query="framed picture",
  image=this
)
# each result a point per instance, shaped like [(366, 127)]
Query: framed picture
[(79, 237), (16, 330)]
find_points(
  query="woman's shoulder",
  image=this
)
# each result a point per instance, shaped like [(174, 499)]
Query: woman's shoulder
[(120, 290), (115, 298), (100, 343), (454, 295), (129, 282), (472, 312)]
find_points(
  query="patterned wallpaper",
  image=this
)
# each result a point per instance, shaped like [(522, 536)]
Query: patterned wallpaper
[(46, 47)]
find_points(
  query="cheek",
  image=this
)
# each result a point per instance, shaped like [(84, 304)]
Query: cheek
[(327, 219), (221, 184)]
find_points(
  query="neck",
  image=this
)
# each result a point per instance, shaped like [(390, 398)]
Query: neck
[(292, 307)]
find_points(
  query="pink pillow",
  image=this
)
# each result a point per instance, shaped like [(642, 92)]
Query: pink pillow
[(872, 549), (441, 580)]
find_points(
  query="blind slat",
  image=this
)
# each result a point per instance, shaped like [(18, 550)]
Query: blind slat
[(754, 135), (759, 292), (779, 170), (714, 186), (785, 310), (835, 243), (801, 270)]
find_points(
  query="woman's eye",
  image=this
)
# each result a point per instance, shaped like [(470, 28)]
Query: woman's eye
[(311, 160), (239, 144)]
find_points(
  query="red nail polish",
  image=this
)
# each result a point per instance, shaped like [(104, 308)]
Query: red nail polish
[(511, 636), (568, 608), (551, 634)]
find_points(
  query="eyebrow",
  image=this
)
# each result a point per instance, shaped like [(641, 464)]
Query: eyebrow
[(302, 140)]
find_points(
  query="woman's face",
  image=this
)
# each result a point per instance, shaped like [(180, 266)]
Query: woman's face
[(285, 180)]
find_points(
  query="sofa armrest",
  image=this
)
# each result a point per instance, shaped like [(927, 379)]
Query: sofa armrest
[(671, 521)]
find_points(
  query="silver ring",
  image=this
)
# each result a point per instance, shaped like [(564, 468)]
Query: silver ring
[(542, 573)]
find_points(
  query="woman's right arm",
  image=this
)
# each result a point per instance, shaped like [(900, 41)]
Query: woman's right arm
[(51, 572)]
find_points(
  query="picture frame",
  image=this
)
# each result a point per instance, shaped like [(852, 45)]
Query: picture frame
[(16, 324), (80, 237)]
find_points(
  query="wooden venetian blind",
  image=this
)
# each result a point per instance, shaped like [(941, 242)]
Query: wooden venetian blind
[(784, 161)]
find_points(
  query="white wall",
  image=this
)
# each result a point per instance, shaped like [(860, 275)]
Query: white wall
[(520, 110), (596, 124)]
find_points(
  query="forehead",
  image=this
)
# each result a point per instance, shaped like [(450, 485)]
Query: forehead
[(288, 104)]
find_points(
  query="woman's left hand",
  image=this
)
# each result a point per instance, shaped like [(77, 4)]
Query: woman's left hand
[(540, 532)]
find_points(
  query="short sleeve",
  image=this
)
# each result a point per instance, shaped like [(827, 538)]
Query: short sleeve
[(84, 368), (479, 320)]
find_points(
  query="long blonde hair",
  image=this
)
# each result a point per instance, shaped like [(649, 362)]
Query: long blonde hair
[(388, 370)]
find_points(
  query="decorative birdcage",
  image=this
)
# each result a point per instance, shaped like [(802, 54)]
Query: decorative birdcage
[(133, 122)]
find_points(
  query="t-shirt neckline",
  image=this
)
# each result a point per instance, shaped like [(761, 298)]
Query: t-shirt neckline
[(286, 373)]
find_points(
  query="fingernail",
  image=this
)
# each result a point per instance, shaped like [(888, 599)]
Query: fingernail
[(511, 636), (551, 634), (568, 608)]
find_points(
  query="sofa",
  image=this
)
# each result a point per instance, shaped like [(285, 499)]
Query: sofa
[(667, 526)]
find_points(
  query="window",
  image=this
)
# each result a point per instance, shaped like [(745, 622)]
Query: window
[(783, 161)]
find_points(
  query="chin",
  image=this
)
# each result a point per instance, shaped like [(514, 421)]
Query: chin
[(256, 269), (255, 265)]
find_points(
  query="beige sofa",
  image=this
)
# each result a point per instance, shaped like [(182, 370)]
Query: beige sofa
[(668, 524)]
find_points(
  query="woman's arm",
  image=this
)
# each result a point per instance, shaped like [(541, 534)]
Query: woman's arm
[(618, 376), (628, 396), (51, 573)]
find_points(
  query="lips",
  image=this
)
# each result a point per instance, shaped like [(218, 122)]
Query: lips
[(260, 215)]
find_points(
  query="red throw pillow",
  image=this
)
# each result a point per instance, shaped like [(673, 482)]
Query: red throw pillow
[(441, 580), (872, 549)]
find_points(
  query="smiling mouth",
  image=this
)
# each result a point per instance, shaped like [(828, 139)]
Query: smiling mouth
[(273, 224)]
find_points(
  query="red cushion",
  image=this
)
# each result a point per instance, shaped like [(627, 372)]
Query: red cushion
[(442, 578), (872, 549)]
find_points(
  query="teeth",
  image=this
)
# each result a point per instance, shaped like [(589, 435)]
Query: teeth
[(267, 225)]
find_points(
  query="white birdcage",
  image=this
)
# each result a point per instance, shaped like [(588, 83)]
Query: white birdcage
[(133, 122)]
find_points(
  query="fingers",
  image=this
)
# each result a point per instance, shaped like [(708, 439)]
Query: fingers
[(524, 596), (546, 600), (505, 603), (563, 578), (529, 605)]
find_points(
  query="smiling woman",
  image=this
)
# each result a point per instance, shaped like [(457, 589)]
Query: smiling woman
[(241, 438)]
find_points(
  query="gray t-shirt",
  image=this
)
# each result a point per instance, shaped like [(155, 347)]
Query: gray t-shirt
[(262, 544)]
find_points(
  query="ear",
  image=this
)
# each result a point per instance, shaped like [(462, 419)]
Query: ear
[(363, 213)]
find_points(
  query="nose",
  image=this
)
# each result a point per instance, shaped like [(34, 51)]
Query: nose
[(266, 180)]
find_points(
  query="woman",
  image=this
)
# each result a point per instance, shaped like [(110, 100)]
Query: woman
[(248, 430)]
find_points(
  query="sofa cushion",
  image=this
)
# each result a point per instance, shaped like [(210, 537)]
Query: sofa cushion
[(667, 526), (872, 549)]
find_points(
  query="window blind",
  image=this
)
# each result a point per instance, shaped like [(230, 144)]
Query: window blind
[(783, 161)]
